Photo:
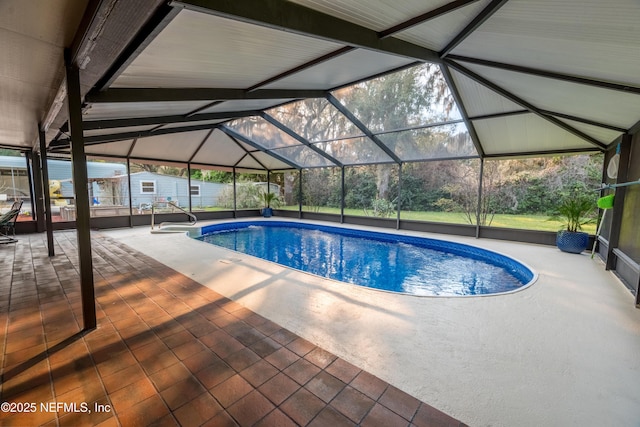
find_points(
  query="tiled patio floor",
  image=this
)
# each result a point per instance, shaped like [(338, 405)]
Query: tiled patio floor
[(167, 351)]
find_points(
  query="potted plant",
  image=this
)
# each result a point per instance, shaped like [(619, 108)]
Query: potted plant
[(574, 210), (267, 198)]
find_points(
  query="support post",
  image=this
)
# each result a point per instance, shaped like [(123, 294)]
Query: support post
[(235, 206), (44, 166), (479, 208), (31, 175), (618, 201), (399, 196), (268, 181), (37, 191), (130, 196), (300, 194), (342, 195), (80, 183), (189, 185)]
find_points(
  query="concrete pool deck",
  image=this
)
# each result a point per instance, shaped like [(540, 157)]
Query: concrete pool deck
[(562, 352)]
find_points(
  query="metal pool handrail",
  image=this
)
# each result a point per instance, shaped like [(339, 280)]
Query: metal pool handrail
[(192, 217)]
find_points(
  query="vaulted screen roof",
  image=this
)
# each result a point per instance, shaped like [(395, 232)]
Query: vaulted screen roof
[(309, 83)]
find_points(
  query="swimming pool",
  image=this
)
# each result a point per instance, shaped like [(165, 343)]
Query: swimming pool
[(384, 261)]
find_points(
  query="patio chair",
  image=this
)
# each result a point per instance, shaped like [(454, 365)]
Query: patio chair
[(8, 223)]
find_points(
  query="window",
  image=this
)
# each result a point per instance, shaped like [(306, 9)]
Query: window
[(148, 187), (194, 190)]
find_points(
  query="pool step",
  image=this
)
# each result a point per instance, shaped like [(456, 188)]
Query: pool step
[(173, 228)]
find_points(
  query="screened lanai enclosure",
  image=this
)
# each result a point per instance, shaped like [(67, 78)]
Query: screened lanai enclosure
[(441, 116)]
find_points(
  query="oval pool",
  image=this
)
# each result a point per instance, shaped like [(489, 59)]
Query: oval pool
[(384, 261)]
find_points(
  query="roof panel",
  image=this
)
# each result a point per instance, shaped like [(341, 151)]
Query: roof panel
[(436, 33), (33, 36), (346, 68), (250, 163), (601, 105), (175, 146), (118, 148), (479, 100), (525, 133), (588, 38), (219, 149), (195, 50), (375, 14), (268, 161), (115, 131), (599, 133), (244, 105), (123, 110), (195, 123)]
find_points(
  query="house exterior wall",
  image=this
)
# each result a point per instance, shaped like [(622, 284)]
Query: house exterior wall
[(172, 188)]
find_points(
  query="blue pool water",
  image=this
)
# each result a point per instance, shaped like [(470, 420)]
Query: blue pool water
[(390, 262)]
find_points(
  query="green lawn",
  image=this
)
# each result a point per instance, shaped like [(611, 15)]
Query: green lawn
[(524, 222)]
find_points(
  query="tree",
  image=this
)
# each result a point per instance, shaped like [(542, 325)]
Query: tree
[(318, 187), (397, 101), (212, 175), (9, 152)]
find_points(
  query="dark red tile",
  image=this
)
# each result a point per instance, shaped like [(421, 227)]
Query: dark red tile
[(200, 360), (178, 339), (258, 373), (282, 358), (250, 336), (353, 404), (369, 385), (268, 328), (302, 371), (132, 394), (198, 410), (231, 390), (325, 386), (400, 402), (149, 349), (222, 343), (302, 406), (251, 408), (276, 418), (189, 348), (379, 416), (116, 363), (330, 417), (320, 357), (214, 374), (157, 371), (343, 370), (300, 346), (265, 347), (165, 378), (283, 336), (279, 388), (143, 412), (223, 419), (242, 359), (123, 378), (160, 361), (428, 416), (182, 392)]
